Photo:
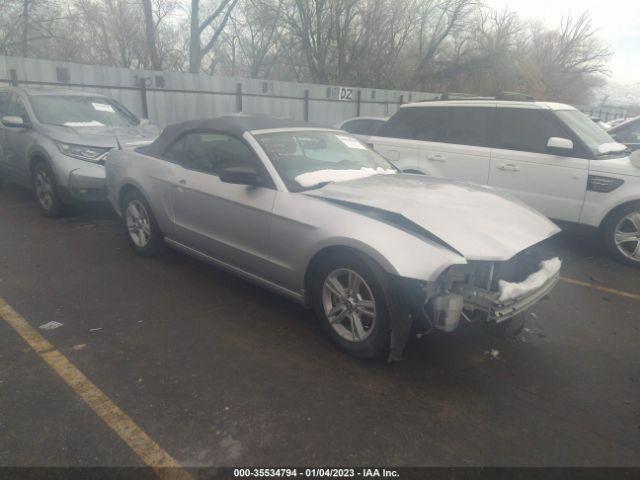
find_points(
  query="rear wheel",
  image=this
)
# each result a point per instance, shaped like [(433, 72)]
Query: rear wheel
[(622, 234), (46, 190), (350, 302), (142, 231)]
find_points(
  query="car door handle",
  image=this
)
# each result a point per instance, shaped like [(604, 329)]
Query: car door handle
[(509, 167), (436, 158), (182, 184)]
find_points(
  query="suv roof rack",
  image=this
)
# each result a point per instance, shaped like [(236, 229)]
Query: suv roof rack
[(462, 96), (516, 96)]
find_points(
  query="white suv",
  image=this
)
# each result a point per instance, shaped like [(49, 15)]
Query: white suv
[(549, 155)]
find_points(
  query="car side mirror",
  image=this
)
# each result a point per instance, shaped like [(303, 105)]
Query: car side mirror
[(15, 122), (635, 158), (241, 177), (557, 143)]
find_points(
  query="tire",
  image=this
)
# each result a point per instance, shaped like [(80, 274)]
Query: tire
[(46, 190), (624, 224), (368, 309), (141, 229), (506, 329)]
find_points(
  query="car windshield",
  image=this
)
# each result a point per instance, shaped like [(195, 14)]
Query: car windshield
[(587, 130), (81, 111), (311, 158)]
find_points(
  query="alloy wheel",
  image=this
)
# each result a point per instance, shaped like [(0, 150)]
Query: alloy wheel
[(44, 190), (349, 305), (138, 224), (627, 236)]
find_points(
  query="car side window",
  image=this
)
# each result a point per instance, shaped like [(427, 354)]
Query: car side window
[(629, 133), (362, 126), (175, 153), (526, 130), (458, 125), (465, 126), (409, 123), (211, 152)]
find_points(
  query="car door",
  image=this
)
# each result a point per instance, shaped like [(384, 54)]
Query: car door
[(17, 140), (226, 221), (628, 134), (554, 183), (457, 143), (439, 141)]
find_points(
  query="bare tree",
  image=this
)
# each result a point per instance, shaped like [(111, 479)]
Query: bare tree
[(439, 19), (432, 45), (220, 15), (150, 33)]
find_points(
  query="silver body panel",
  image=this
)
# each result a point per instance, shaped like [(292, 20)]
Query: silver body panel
[(270, 235), (20, 146)]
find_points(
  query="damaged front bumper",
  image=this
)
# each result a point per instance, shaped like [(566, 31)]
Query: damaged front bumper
[(488, 302), (477, 291)]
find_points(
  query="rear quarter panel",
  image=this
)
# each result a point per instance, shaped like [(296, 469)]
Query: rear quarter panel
[(149, 175)]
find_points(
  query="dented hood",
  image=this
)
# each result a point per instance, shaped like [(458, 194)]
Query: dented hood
[(478, 222)]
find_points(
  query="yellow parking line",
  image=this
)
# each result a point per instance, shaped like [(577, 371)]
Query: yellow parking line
[(612, 291), (149, 451)]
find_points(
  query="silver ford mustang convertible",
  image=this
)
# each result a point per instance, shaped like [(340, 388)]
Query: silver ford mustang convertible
[(314, 214)]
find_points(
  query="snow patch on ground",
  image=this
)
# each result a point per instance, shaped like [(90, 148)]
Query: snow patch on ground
[(548, 269), (310, 179), (493, 353)]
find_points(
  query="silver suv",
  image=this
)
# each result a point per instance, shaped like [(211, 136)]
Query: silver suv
[(55, 141)]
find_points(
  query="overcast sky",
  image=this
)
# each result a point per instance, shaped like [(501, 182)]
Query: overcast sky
[(617, 20)]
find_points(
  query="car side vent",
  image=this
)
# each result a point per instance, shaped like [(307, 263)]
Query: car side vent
[(598, 183)]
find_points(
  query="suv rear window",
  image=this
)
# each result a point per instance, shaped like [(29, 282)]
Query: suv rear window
[(458, 125)]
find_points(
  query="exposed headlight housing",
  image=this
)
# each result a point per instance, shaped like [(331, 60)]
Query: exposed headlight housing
[(83, 152)]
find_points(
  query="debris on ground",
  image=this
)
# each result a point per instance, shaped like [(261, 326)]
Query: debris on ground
[(493, 353), (50, 325), (95, 329), (533, 315), (80, 346)]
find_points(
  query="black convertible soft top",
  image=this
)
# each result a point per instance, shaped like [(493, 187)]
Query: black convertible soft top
[(231, 124)]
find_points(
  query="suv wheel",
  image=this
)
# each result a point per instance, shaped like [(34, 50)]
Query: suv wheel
[(622, 234), (350, 301), (46, 190), (142, 231)]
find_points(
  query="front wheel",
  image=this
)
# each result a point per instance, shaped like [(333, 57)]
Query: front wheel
[(350, 301), (142, 231), (46, 190), (621, 234)]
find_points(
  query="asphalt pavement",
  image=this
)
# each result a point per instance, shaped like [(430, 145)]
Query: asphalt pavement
[(220, 372)]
